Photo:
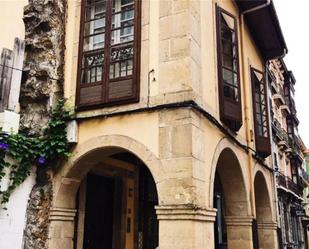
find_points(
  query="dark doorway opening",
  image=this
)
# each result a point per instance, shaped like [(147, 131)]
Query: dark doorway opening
[(98, 228), (219, 225), (116, 206)]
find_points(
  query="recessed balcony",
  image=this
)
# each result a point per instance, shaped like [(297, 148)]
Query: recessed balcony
[(288, 151), (285, 109), (274, 87), (283, 144), (304, 177), (278, 99), (294, 187), (288, 184)]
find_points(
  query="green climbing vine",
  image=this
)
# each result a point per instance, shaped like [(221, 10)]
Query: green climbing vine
[(20, 152)]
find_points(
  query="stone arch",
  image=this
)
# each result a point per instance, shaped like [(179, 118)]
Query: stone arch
[(266, 227), (88, 153), (223, 150), (262, 195), (229, 179)]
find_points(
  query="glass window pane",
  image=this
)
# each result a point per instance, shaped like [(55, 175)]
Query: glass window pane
[(228, 20), (121, 61), (122, 24), (230, 62), (94, 42), (230, 77), (230, 92), (93, 67), (94, 25)]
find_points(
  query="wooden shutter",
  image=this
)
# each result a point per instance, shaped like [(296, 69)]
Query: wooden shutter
[(260, 112), (228, 75), (116, 58), (6, 69)]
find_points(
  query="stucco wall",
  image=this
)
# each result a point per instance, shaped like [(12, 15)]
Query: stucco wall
[(11, 22), (12, 220)]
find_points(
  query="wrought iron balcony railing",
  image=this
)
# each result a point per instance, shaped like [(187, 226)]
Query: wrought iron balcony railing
[(287, 183)]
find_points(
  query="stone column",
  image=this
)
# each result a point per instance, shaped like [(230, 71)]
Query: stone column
[(239, 232), (61, 230), (267, 232), (186, 227)]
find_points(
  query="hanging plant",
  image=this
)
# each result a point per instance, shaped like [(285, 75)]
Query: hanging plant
[(20, 152)]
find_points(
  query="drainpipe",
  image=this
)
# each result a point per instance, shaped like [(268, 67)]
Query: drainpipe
[(247, 113), (256, 8), (247, 102)]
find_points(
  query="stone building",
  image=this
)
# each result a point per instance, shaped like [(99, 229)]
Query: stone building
[(288, 158), (171, 139)]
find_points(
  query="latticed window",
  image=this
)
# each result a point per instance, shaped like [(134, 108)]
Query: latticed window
[(261, 123), (108, 56), (228, 69)]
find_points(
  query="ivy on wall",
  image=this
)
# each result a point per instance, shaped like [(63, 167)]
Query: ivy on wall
[(20, 152)]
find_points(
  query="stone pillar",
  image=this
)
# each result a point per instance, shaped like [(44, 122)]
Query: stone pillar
[(239, 232), (267, 232), (61, 230), (186, 227)]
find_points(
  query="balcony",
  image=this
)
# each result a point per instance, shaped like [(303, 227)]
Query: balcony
[(274, 87), (284, 142), (304, 176), (277, 129), (288, 183), (281, 180), (294, 187), (285, 109), (281, 135), (296, 154), (279, 96)]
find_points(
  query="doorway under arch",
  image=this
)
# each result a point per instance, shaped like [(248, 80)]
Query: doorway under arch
[(116, 203)]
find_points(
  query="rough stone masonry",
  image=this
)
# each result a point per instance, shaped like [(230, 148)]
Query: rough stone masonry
[(42, 85)]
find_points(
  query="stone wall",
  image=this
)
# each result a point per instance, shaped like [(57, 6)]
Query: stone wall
[(44, 22), (42, 86)]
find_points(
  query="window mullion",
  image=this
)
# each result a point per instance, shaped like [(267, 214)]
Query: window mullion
[(108, 27)]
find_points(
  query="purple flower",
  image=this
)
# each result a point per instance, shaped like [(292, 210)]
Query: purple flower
[(41, 160), (4, 146)]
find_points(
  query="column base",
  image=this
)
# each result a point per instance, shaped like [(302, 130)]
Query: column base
[(61, 230), (267, 232), (186, 227), (239, 232)]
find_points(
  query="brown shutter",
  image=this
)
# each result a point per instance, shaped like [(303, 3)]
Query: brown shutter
[(230, 110), (6, 64), (262, 141)]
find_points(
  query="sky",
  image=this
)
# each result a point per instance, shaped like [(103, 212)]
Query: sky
[(294, 20)]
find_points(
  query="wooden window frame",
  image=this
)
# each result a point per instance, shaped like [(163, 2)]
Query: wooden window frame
[(262, 143), (105, 101), (230, 110)]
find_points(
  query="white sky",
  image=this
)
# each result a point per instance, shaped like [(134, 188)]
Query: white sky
[(294, 20)]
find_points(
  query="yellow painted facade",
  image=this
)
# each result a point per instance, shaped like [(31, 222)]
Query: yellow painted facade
[(11, 22), (183, 149), (178, 63)]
